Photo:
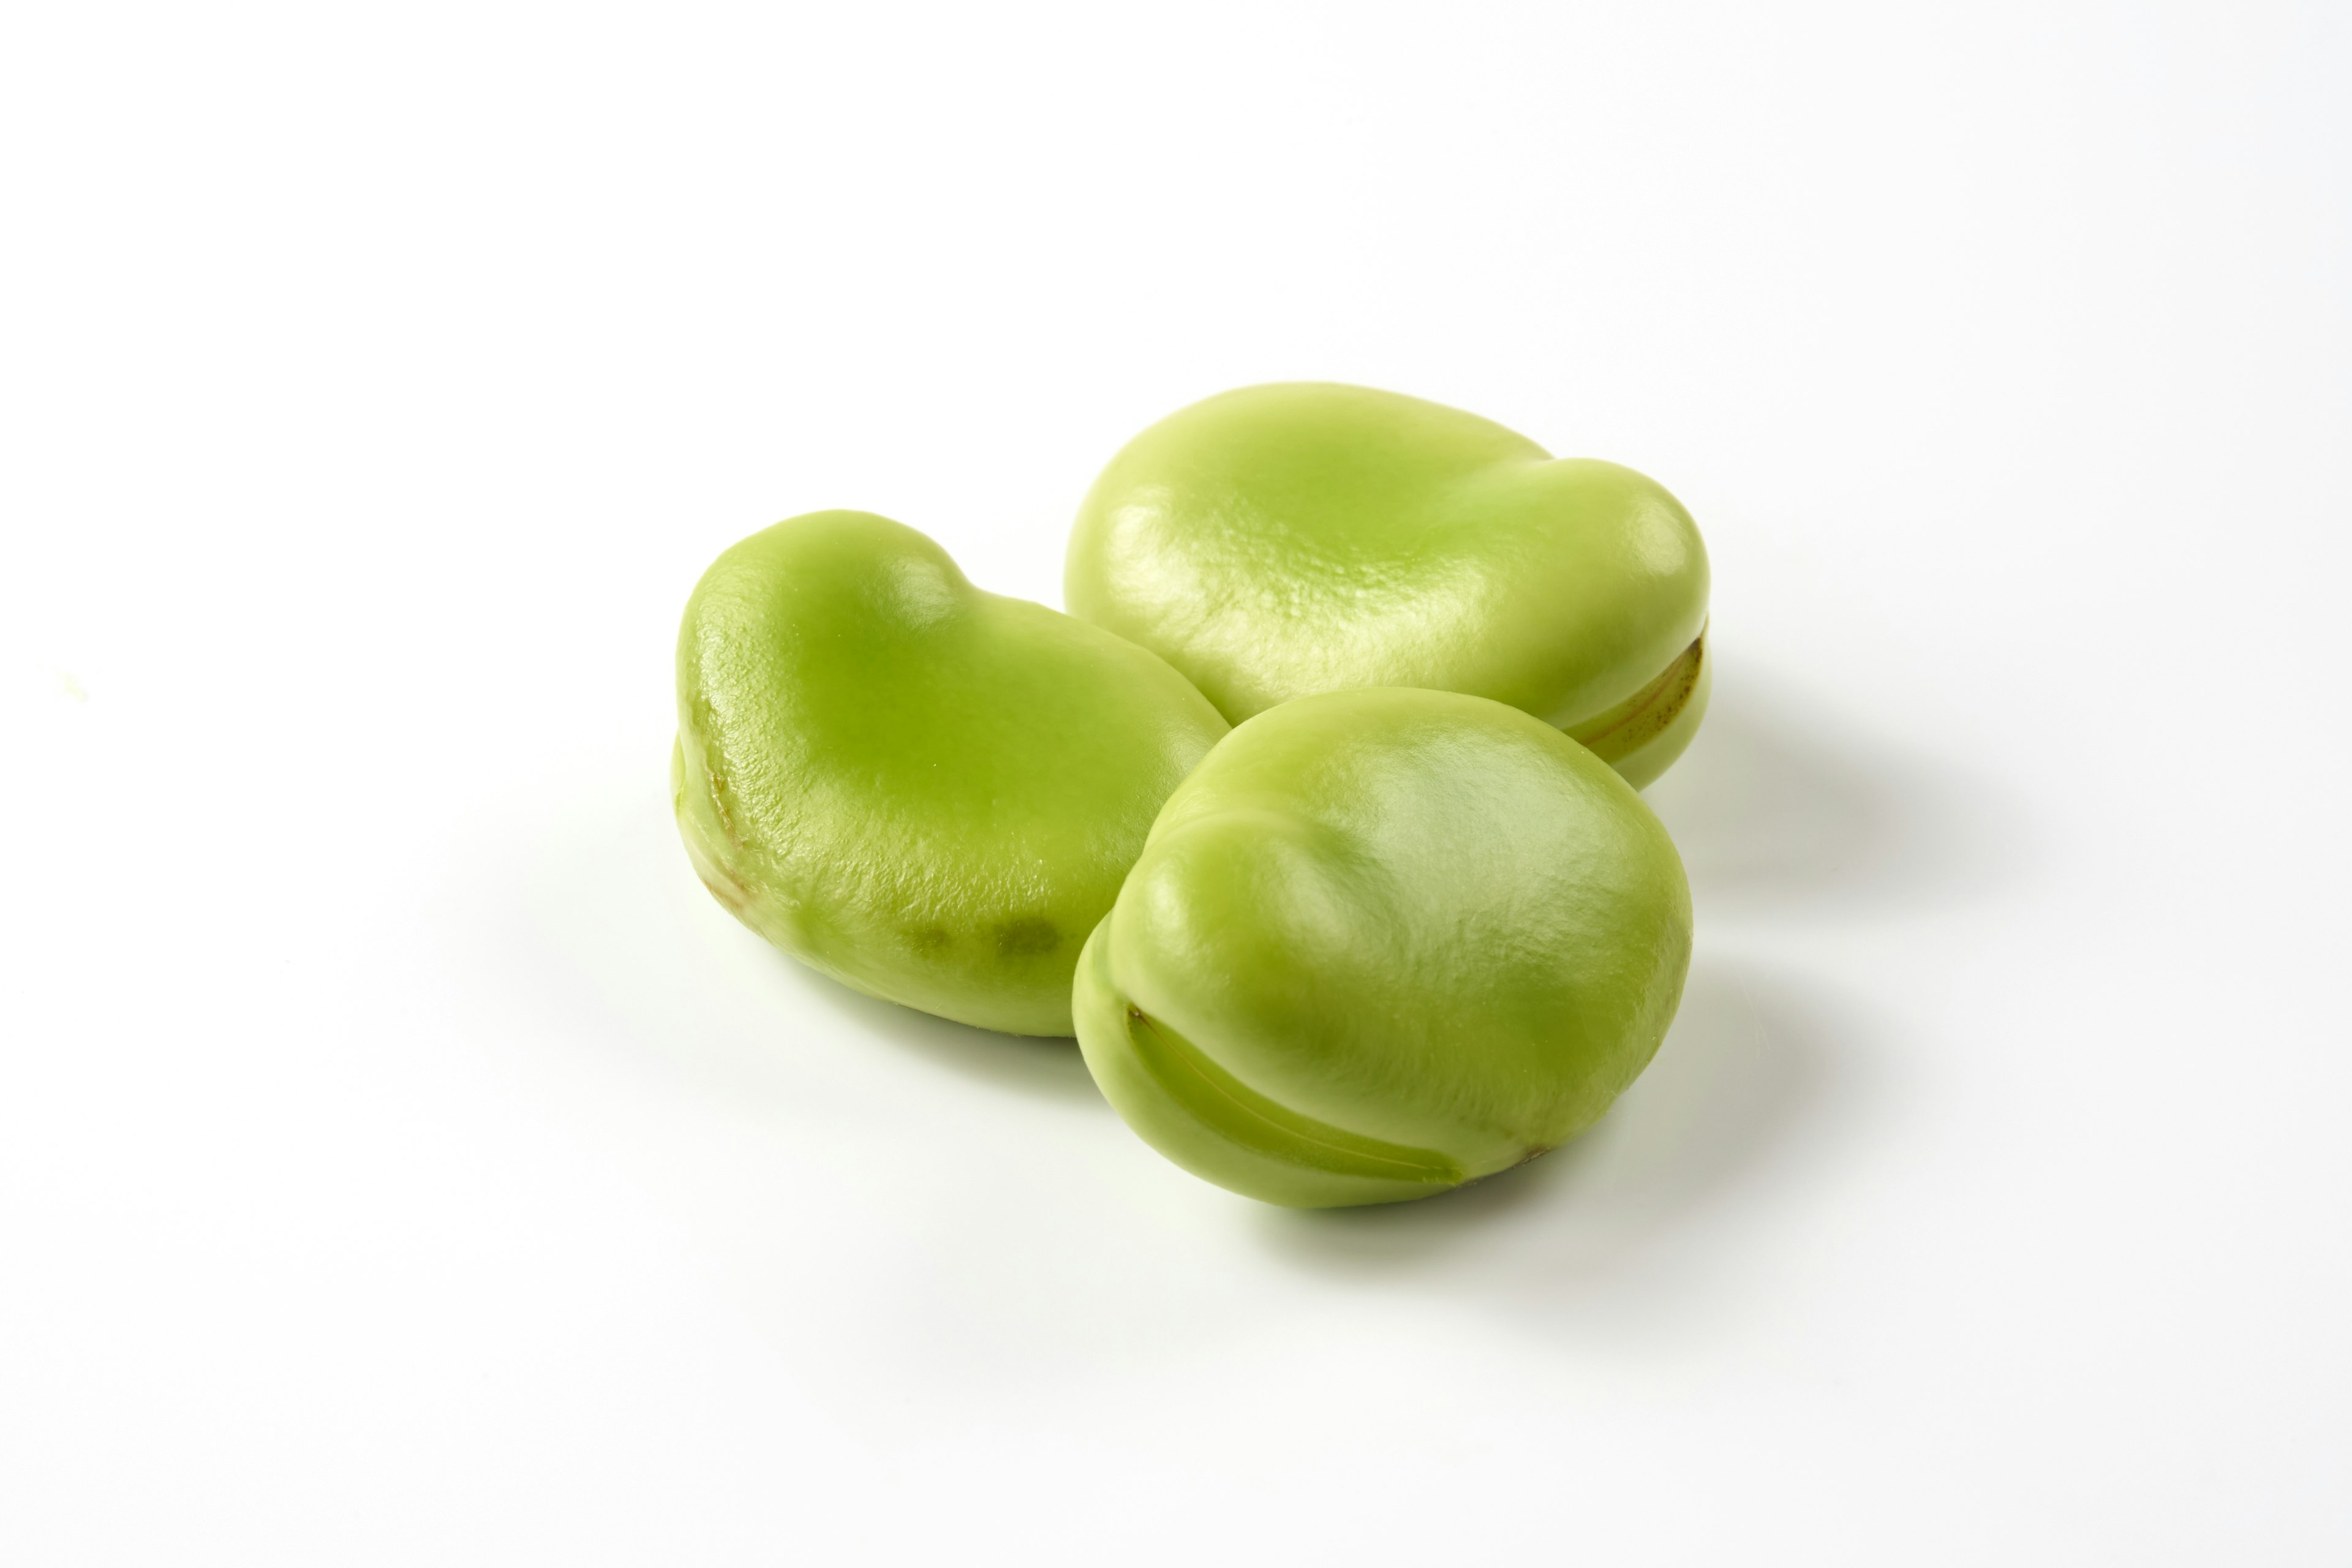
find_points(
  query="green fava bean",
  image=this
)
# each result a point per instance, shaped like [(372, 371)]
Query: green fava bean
[(1382, 942), (928, 792), (1281, 540)]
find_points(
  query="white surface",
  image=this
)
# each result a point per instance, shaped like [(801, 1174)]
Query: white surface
[(403, 1161)]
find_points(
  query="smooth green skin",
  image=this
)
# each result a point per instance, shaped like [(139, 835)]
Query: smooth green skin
[(1382, 942), (1281, 540), (928, 792)]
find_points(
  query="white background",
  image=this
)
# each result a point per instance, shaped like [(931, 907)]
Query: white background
[(403, 1161)]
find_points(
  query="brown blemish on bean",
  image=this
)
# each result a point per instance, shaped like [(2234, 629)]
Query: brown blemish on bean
[(1649, 710), (1026, 937)]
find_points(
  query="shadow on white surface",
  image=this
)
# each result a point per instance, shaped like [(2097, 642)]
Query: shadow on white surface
[(1779, 812), (1020, 1063), (1757, 1079), (610, 895)]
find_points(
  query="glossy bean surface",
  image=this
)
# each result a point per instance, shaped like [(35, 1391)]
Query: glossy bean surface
[(1381, 942), (926, 791), (1280, 541)]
